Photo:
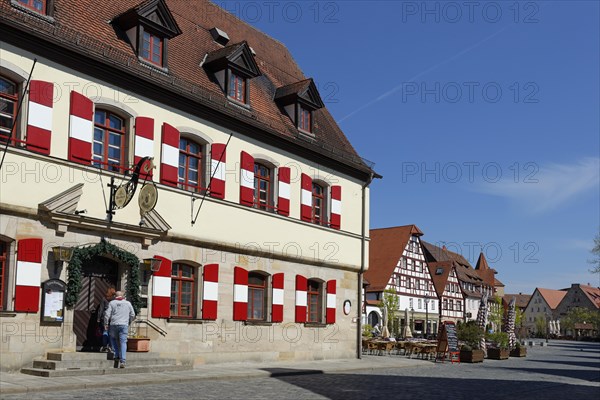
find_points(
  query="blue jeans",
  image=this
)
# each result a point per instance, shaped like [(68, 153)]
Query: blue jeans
[(118, 340)]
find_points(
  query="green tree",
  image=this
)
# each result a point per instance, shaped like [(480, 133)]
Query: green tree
[(595, 261), (496, 316), (389, 307), (579, 315), (540, 326)]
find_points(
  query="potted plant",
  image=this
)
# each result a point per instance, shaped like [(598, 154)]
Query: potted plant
[(499, 346), (518, 351), (470, 334)]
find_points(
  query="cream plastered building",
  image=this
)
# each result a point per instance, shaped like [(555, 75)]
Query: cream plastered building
[(262, 242)]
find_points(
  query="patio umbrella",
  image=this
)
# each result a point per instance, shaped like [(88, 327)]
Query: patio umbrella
[(386, 332), (558, 327), (384, 321), (407, 332), (482, 314), (510, 324)]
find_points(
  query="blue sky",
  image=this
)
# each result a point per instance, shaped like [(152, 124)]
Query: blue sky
[(483, 118)]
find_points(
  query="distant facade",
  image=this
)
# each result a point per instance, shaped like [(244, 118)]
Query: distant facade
[(581, 296), (541, 309), (397, 262)]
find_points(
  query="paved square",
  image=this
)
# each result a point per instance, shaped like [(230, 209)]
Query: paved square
[(561, 371)]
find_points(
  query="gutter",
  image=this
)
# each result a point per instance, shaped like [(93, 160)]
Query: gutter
[(362, 265)]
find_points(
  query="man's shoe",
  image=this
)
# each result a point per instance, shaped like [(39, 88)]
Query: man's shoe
[(116, 363), (122, 364)]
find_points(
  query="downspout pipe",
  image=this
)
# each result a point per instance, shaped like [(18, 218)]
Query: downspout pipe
[(362, 263)]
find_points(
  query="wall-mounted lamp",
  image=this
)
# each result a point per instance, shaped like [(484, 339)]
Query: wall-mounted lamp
[(61, 254), (153, 264)]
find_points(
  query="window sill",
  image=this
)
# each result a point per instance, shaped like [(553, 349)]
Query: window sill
[(186, 320), (153, 67), (314, 325), (258, 323), (237, 103), (7, 314), (31, 12)]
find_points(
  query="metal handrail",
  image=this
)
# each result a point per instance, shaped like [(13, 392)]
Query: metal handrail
[(152, 325)]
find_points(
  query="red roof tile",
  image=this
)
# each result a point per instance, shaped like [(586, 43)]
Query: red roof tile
[(84, 27), (593, 293), (552, 297), (521, 300)]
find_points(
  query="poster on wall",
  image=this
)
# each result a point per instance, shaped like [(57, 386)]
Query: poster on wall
[(53, 301)]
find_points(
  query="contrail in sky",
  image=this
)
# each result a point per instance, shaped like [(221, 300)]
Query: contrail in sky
[(397, 88)]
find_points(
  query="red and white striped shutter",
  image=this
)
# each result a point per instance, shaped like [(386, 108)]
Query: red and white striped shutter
[(161, 289), (240, 294), (336, 207), (217, 170), (306, 198), (29, 275), (81, 128), (247, 179), (169, 156), (39, 116), (277, 307), (330, 313), (144, 142), (301, 298), (283, 202), (210, 291)]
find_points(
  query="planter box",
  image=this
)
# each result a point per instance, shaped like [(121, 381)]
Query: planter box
[(472, 356), (138, 344), (498, 354), (518, 352)]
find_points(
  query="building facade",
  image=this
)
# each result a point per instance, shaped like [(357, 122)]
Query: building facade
[(256, 210), (397, 263), (541, 309)]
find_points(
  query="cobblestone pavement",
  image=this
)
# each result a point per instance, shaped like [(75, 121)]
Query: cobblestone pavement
[(561, 371)]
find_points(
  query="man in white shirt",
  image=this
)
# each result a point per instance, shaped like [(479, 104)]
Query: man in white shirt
[(117, 317)]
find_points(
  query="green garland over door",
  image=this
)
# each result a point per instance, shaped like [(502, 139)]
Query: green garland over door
[(82, 255)]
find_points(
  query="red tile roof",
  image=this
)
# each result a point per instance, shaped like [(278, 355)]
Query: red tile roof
[(521, 300), (385, 250), (84, 27), (440, 280), (593, 293), (552, 297)]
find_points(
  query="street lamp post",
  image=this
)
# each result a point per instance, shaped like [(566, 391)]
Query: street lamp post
[(426, 317)]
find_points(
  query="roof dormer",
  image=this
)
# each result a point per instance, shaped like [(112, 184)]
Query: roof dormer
[(299, 100), (148, 27), (233, 66)]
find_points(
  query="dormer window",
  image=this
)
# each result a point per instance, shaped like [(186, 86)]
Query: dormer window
[(35, 5), (232, 67), (148, 28), (152, 47), (299, 100), (305, 119), (237, 87)]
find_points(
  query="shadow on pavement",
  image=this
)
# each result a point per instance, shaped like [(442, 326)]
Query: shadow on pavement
[(277, 372), (586, 375), (373, 386), (575, 363)]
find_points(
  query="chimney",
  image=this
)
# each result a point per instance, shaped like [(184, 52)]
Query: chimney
[(219, 36)]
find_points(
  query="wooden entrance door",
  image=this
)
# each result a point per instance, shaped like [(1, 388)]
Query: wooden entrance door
[(97, 276)]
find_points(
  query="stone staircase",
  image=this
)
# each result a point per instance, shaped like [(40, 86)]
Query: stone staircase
[(80, 363)]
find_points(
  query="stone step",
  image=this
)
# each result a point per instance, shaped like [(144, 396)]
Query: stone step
[(105, 363), (85, 356), (49, 373)]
